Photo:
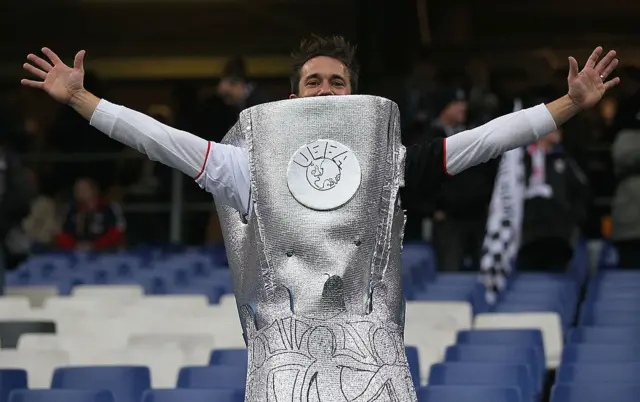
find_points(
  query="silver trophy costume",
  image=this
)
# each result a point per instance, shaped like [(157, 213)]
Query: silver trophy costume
[(316, 264)]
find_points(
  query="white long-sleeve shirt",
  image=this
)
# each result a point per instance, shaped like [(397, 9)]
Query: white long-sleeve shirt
[(223, 170)]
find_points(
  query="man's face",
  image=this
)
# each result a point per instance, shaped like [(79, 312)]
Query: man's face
[(322, 76), (232, 92), (84, 192), (455, 113)]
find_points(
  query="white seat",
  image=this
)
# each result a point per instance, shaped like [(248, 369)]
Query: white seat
[(110, 332), (164, 363), (440, 315), (228, 300), (81, 307), (69, 341), (196, 347), (549, 323), (39, 364), (120, 294), (37, 295), (431, 343), (170, 304), (13, 307)]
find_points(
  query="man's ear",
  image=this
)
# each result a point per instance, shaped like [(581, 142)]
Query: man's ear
[(293, 96)]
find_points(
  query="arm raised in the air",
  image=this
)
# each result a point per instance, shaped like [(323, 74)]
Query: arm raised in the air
[(222, 170)]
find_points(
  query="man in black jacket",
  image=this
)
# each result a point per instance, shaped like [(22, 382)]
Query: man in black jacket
[(556, 204)]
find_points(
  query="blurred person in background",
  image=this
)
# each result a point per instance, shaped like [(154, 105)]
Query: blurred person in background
[(42, 224), (555, 207), (625, 209), (460, 207), (91, 224), (16, 194)]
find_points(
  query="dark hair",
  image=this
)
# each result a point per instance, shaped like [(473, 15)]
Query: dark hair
[(336, 47)]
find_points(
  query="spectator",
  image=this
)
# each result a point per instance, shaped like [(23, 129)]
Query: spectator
[(556, 205), (15, 198), (625, 210), (91, 223), (42, 224), (460, 207)]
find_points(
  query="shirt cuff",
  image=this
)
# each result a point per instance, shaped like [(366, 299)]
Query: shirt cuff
[(105, 116), (541, 120)]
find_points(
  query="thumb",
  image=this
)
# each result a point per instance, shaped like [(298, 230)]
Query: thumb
[(573, 67), (78, 62)]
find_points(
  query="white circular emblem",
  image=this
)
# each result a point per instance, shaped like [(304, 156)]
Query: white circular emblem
[(323, 175)]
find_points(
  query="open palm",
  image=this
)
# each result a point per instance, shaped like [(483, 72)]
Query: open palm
[(588, 86), (60, 81)]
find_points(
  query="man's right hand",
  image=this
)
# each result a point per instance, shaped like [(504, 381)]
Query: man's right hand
[(60, 81)]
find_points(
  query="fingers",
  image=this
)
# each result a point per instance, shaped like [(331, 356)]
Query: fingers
[(78, 62), (33, 84), (611, 83), (609, 69), (573, 67), (35, 71), (604, 63), (52, 56), (593, 58), (40, 62)]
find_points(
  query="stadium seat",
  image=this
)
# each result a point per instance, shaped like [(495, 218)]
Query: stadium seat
[(11, 379), (36, 294), (229, 357), (127, 383), (590, 317), (217, 377), (601, 353), (444, 393), (619, 335), (60, 395), (10, 331), (193, 395), (487, 374), (121, 294), (14, 307), (39, 364), (196, 347), (549, 323), (598, 372), (584, 392), (413, 359), (528, 355)]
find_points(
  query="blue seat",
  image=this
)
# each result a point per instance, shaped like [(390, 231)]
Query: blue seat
[(527, 355), (595, 392), (193, 395), (584, 353), (218, 377), (229, 357), (60, 395), (590, 317), (619, 335), (504, 375), (444, 393), (120, 265), (11, 379), (457, 278), (413, 358), (126, 383), (514, 337), (598, 373)]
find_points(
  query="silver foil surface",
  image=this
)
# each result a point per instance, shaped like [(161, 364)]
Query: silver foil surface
[(319, 292)]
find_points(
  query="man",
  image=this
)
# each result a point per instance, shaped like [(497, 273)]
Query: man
[(555, 207), (90, 223), (306, 270)]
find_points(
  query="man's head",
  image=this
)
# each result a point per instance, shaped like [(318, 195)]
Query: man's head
[(233, 86), (85, 191), (324, 66), (451, 106)]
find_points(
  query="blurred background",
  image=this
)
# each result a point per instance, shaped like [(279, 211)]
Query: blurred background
[(166, 58)]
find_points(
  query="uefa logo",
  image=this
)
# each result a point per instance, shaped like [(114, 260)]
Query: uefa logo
[(323, 175)]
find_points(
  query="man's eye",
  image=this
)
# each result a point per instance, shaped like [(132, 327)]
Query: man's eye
[(312, 82), (338, 83)]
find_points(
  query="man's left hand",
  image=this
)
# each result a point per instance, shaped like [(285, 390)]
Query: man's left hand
[(588, 86)]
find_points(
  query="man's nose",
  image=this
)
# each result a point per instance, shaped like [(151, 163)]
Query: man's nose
[(325, 89)]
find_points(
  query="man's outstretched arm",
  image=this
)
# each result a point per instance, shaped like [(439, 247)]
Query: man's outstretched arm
[(429, 163), (220, 169)]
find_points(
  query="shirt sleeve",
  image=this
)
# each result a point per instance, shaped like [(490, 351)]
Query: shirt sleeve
[(483, 143), (220, 169), (425, 167)]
